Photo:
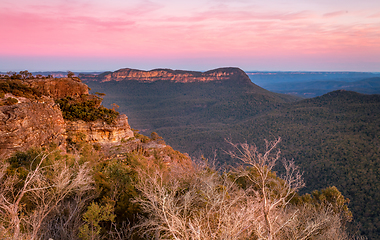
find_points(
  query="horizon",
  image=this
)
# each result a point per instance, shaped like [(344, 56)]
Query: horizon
[(276, 35), (195, 70)]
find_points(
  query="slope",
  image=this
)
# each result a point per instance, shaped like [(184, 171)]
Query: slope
[(335, 137)]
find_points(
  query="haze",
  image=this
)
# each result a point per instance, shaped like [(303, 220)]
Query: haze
[(272, 35)]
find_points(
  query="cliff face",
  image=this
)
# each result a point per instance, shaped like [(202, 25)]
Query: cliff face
[(38, 121), (99, 131), (30, 124), (220, 74), (59, 87)]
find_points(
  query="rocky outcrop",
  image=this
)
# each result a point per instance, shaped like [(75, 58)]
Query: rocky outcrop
[(30, 124), (59, 87), (37, 121), (99, 131), (220, 74)]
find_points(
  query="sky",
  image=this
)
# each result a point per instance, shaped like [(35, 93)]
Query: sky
[(270, 35)]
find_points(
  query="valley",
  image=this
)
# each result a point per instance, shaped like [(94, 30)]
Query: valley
[(334, 137)]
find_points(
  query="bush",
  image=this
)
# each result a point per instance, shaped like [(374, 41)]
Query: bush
[(87, 111), (17, 88), (10, 101)]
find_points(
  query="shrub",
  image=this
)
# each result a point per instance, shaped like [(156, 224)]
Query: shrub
[(87, 111), (17, 88), (10, 101)]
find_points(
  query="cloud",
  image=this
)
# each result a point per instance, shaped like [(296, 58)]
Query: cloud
[(141, 30), (376, 15), (225, 14), (335, 14)]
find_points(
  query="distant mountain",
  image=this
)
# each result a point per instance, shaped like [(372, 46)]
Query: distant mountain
[(187, 97), (313, 84), (318, 88), (179, 76), (334, 137)]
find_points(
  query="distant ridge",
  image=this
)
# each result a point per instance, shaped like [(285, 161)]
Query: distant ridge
[(219, 74)]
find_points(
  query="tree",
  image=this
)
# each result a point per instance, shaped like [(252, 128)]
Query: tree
[(44, 187), (25, 74), (114, 106), (93, 216), (195, 205), (70, 74), (100, 94), (250, 202), (275, 193)]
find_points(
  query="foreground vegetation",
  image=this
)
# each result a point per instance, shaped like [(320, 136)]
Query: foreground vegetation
[(47, 194), (87, 110), (333, 138)]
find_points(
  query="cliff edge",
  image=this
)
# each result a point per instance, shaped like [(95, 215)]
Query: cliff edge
[(31, 116), (179, 76)]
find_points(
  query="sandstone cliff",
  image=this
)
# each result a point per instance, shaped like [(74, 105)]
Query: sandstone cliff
[(59, 87), (34, 121), (30, 124), (220, 74), (99, 131)]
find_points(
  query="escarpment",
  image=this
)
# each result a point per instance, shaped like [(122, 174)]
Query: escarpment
[(30, 124), (179, 76), (99, 131), (31, 116), (60, 87)]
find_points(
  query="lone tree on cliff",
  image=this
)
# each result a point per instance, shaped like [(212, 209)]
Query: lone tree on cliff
[(70, 74)]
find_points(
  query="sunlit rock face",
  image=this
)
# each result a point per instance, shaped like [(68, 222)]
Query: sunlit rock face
[(37, 121), (99, 131), (30, 124), (220, 74), (60, 87)]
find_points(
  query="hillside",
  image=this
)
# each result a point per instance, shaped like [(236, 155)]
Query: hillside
[(318, 88), (333, 137), (154, 103), (313, 84), (41, 112), (102, 180)]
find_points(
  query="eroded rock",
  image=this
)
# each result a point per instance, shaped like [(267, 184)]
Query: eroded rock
[(99, 131)]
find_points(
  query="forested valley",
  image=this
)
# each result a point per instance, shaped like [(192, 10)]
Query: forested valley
[(334, 138)]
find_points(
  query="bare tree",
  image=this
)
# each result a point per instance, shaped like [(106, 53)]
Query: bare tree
[(45, 186), (201, 205), (275, 192), (11, 196)]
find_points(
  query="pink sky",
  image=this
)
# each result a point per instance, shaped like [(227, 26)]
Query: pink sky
[(94, 35)]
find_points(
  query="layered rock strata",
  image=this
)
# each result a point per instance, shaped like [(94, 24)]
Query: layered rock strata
[(220, 74), (99, 131), (30, 124), (38, 121), (58, 88)]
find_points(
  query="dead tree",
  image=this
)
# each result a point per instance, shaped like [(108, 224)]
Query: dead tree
[(198, 205), (275, 192), (45, 186)]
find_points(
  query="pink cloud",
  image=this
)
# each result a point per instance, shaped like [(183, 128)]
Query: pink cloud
[(139, 32), (335, 14), (235, 15), (376, 15)]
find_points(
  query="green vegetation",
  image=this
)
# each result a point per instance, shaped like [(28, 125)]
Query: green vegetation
[(333, 138), (17, 88), (9, 101), (22, 75), (87, 110), (92, 217), (70, 74), (88, 194)]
